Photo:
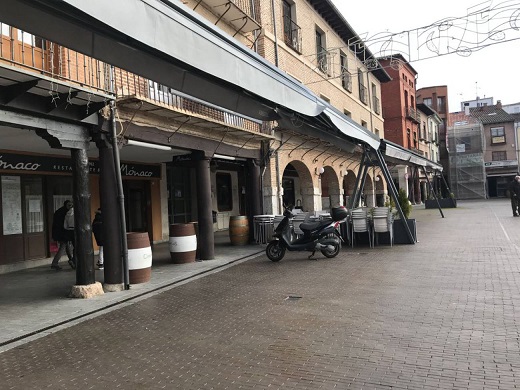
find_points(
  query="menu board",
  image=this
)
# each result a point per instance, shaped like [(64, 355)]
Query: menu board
[(11, 205)]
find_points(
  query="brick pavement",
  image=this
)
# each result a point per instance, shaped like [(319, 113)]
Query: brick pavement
[(441, 314)]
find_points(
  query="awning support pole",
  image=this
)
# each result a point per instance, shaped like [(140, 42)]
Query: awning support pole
[(354, 200), (433, 191), (393, 192)]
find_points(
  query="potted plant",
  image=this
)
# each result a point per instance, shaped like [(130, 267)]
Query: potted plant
[(400, 234)]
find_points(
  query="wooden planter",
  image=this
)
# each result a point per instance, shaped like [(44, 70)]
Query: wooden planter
[(445, 203)]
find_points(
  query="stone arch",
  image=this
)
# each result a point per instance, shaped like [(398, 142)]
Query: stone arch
[(330, 189), (380, 191), (368, 195), (298, 175), (349, 182)]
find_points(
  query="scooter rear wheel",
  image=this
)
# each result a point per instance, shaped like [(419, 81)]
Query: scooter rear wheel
[(275, 251), (332, 253)]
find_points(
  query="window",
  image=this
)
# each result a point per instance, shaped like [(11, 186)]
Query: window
[(466, 141), (347, 113), (224, 192), (362, 89), (498, 135), (427, 101), (5, 29), (363, 123), (376, 106), (291, 31), (441, 104), (321, 52), (346, 77), (499, 155), (327, 99)]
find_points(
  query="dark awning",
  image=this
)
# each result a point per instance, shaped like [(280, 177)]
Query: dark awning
[(167, 42)]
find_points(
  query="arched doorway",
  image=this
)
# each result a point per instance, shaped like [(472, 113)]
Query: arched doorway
[(298, 190), (330, 190), (349, 182)]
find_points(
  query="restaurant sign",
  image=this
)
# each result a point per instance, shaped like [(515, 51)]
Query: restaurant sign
[(501, 164), (32, 163)]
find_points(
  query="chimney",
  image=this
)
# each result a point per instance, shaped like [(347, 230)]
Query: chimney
[(499, 103), (466, 108)]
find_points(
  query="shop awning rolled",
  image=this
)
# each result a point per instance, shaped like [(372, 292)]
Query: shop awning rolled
[(169, 43)]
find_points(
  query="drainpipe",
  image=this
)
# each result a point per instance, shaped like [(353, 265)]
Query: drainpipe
[(278, 189), (120, 196), (275, 40)]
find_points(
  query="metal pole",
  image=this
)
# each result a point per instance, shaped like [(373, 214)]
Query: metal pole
[(393, 194), (434, 194), (120, 196), (275, 35), (354, 199)]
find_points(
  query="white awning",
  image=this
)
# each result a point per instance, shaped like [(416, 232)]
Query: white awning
[(170, 44), (405, 156)]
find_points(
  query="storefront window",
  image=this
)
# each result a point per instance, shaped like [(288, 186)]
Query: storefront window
[(224, 192), (33, 205), (11, 205)]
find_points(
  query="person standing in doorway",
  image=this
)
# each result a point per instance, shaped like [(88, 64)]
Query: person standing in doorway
[(514, 193), (68, 224), (61, 235), (97, 229)]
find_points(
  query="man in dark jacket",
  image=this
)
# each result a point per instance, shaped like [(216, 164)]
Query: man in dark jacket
[(62, 236), (514, 193)]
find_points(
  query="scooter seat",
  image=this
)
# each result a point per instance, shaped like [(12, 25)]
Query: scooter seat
[(309, 226)]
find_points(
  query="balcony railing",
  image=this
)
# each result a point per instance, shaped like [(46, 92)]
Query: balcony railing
[(292, 34), (247, 8), (33, 54), (346, 79), (376, 105), (411, 113), (323, 59), (363, 94)]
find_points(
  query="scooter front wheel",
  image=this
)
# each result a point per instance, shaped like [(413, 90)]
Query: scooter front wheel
[(331, 253), (275, 251)]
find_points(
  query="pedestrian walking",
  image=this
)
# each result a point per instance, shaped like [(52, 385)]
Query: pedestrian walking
[(62, 236), (514, 193), (97, 229)]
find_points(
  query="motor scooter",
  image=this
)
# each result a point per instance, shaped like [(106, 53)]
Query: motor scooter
[(320, 236)]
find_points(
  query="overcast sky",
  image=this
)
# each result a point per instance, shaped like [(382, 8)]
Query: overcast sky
[(493, 71)]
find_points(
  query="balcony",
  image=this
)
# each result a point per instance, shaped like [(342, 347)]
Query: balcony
[(363, 94), (346, 79), (78, 78), (323, 60), (412, 114), (292, 35), (376, 105)]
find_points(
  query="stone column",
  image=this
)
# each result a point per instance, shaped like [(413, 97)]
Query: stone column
[(112, 249), (83, 249), (206, 234)]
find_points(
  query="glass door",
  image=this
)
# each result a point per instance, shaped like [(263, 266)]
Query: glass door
[(33, 215)]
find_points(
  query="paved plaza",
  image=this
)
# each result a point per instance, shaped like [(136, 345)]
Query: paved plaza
[(441, 314)]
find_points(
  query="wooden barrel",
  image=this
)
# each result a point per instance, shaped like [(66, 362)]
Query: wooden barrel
[(139, 257), (239, 230), (183, 243)]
